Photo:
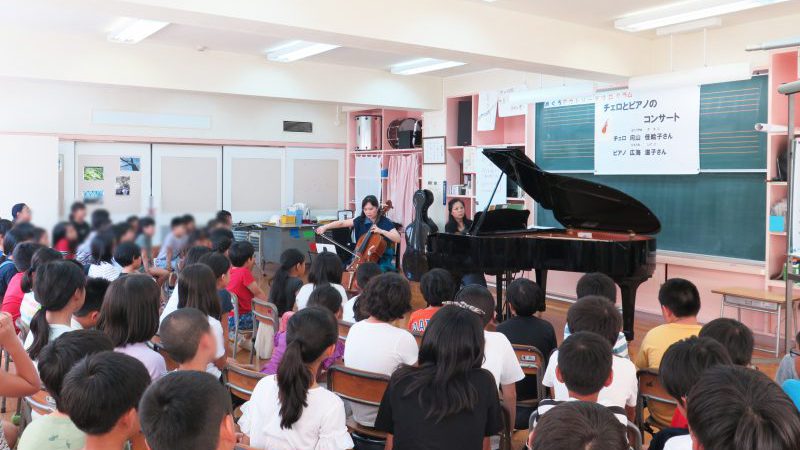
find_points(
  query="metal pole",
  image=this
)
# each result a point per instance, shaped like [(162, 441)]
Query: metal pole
[(789, 338)]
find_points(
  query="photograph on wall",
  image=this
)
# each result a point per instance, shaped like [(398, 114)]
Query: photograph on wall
[(92, 173), (93, 197), (130, 163), (123, 186)]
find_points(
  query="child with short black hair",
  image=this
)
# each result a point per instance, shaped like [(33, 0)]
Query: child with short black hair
[(56, 431), (351, 309), (225, 219), (102, 264), (526, 298), (287, 281), (597, 315), (119, 380), (187, 338), (325, 269), (198, 289), (170, 252), (579, 425), (437, 286), (221, 240), (129, 256), (242, 284), (289, 410), (602, 285), (187, 411), (89, 313), (735, 336), (123, 232)]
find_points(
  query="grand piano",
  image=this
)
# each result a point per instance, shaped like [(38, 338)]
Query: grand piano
[(605, 231)]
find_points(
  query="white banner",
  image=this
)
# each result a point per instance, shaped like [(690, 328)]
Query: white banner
[(647, 133)]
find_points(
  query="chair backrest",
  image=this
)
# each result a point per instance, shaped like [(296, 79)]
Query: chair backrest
[(533, 364), (357, 386), (41, 403), (650, 391), (634, 436), (344, 329), (241, 381), (265, 312)]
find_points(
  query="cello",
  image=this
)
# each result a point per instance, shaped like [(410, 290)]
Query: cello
[(369, 248), (415, 263)]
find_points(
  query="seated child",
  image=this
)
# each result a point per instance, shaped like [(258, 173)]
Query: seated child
[(242, 284), (129, 256), (193, 256), (221, 240), (597, 283), (119, 380), (187, 411), (29, 304), (287, 281), (23, 256), (325, 269), (221, 266), (89, 313), (351, 308), (788, 367), (735, 336), (198, 289), (102, 262), (579, 425), (187, 338), (173, 245), (56, 431), (437, 286)]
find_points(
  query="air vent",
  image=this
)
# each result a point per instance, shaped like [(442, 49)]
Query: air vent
[(296, 127)]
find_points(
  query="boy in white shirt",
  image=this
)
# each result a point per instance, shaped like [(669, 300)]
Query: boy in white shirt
[(187, 338)]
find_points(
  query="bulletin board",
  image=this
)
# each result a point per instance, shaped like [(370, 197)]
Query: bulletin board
[(113, 176), (253, 179), (317, 179)]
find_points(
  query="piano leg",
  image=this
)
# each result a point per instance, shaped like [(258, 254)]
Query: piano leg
[(628, 287), (541, 280), (500, 280)]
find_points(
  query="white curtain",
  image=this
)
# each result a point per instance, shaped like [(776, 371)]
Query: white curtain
[(403, 182)]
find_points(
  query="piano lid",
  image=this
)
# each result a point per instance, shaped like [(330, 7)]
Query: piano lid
[(575, 203)]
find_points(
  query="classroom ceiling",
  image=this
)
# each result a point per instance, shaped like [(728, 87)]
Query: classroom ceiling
[(602, 13)]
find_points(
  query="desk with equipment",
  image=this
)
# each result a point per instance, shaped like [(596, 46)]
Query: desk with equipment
[(270, 240)]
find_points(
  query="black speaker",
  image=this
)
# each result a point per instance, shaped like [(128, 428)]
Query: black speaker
[(405, 138), (464, 135)]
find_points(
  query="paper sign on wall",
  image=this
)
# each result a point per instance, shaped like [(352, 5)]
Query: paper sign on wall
[(648, 133), (507, 109), (487, 110)]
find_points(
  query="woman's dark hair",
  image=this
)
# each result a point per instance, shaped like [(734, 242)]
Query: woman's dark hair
[(451, 348), (450, 205), (102, 248), (525, 296), (197, 288), (56, 284), (372, 200), (387, 297), (326, 296), (129, 314), (145, 222), (309, 333), (326, 268), (437, 286), (41, 257), (278, 294), (60, 232)]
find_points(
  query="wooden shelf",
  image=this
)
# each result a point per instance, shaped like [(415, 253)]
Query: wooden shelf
[(777, 183), (472, 197), (392, 151), (777, 233)]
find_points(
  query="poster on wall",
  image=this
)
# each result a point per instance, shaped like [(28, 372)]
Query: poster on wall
[(93, 197), (507, 109), (487, 110), (647, 133), (123, 186), (92, 173), (130, 163)]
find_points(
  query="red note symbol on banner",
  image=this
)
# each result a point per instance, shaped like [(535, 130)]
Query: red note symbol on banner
[(605, 127)]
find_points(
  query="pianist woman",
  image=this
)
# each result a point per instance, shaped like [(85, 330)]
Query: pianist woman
[(458, 223), (370, 209)]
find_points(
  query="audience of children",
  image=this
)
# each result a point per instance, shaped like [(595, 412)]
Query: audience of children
[(187, 338), (437, 286), (23, 381), (600, 284), (351, 309), (198, 289), (102, 263), (242, 284), (287, 281), (325, 269)]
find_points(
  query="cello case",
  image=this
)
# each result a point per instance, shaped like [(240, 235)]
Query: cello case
[(415, 263)]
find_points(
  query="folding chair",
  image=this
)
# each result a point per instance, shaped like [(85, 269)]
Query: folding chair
[(241, 381), (533, 364), (634, 436), (264, 313), (361, 387), (41, 403), (344, 328), (245, 335), (650, 392)]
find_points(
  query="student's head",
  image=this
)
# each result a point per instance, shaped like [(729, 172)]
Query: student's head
[(241, 254), (370, 207), (187, 410), (455, 210), (685, 361), (311, 335), (40, 236), (77, 212), (189, 223), (185, 333), (65, 231), (525, 297), (579, 426), (129, 314), (328, 297), (89, 313), (597, 283), (177, 226), (225, 218), (735, 336), (18, 234), (479, 298), (123, 232), (5, 226), (133, 221), (101, 393), (197, 288), (219, 264), (595, 314), (23, 254), (102, 246), (21, 213), (735, 408), (325, 268), (365, 272), (387, 297), (221, 239), (213, 224), (147, 226), (60, 286), (129, 255), (679, 299), (42, 256), (59, 356), (293, 262), (199, 236), (100, 219), (194, 254), (584, 363), (437, 286)]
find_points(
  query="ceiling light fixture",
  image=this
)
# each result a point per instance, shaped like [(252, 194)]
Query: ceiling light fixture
[(133, 31), (295, 50), (688, 27), (423, 65), (685, 11), (548, 94), (702, 75)]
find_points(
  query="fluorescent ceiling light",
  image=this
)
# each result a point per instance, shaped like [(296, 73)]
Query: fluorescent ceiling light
[(685, 11), (548, 94), (703, 75), (295, 50), (133, 31), (689, 26), (423, 65)]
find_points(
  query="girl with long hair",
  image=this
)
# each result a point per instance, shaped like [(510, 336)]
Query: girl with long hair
[(287, 282), (197, 288), (65, 239), (326, 269)]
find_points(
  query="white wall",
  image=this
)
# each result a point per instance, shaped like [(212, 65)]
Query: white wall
[(30, 176)]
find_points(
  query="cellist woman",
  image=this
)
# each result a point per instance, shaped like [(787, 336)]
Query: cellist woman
[(370, 211)]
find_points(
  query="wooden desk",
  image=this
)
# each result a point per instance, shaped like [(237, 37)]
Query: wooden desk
[(755, 300)]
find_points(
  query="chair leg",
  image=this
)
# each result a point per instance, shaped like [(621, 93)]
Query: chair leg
[(256, 325), (6, 366)]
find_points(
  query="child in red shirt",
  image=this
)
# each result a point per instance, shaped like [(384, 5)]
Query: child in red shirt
[(242, 284), (437, 286)]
